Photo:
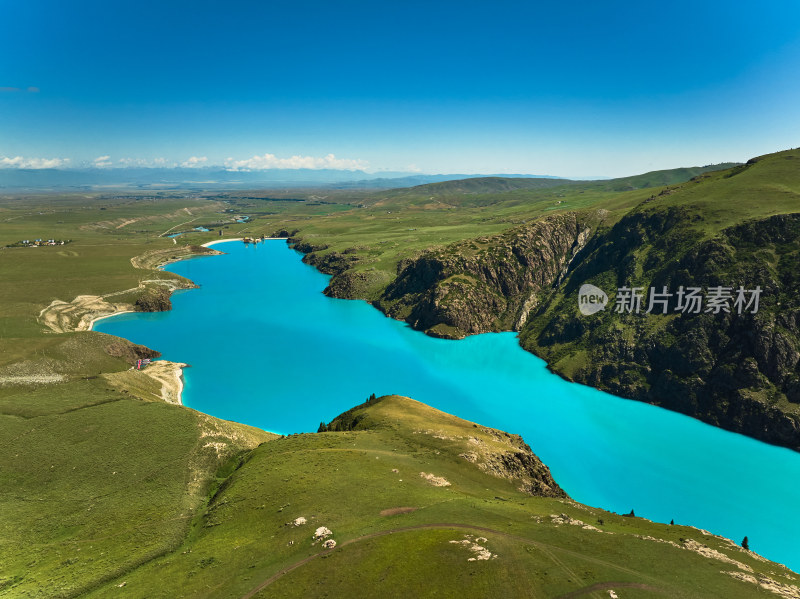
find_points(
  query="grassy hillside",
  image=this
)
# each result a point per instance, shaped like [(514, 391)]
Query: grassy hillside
[(483, 185), (380, 228), (96, 476), (414, 499), (662, 178), (94, 480)]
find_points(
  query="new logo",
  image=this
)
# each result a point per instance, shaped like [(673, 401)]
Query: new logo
[(591, 299)]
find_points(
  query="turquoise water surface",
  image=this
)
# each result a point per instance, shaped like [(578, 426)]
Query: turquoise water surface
[(267, 348)]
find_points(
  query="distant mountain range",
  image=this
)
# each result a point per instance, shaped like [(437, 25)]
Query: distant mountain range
[(216, 177), (187, 178), (384, 182)]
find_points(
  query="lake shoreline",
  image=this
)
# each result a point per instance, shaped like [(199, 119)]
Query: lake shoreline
[(97, 319), (250, 387), (172, 378)]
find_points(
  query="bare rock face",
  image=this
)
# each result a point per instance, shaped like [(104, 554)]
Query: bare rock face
[(518, 463), (535, 476), (350, 284), (331, 263), (485, 284), (130, 352), (154, 300)]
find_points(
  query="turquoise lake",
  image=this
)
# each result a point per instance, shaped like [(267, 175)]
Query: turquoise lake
[(267, 348)]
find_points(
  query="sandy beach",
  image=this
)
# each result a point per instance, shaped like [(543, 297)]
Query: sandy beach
[(160, 379), (102, 317), (208, 244), (170, 375)]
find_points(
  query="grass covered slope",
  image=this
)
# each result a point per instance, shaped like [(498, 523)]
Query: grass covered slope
[(94, 481), (420, 503), (742, 372)]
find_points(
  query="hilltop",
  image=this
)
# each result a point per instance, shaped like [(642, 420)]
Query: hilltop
[(485, 185), (495, 184), (663, 177)]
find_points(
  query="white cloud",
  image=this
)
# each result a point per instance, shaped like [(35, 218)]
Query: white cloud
[(267, 161), (194, 161), (36, 163), (256, 163)]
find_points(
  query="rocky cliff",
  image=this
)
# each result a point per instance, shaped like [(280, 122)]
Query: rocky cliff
[(488, 283), (737, 371), (156, 299)]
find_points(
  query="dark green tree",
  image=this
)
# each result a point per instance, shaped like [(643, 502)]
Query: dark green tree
[(746, 544)]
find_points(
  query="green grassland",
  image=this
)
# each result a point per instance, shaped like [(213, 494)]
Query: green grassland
[(765, 186), (94, 482), (102, 486), (381, 228), (94, 479), (106, 232), (353, 483)]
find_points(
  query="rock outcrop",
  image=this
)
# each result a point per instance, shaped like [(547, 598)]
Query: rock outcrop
[(130, 352), (517, 463), (155, 299), (484, 284)]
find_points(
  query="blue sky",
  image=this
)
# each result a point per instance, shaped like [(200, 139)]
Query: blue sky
[(569, 89)]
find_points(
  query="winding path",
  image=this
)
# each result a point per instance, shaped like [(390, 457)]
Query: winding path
[(544, 547)]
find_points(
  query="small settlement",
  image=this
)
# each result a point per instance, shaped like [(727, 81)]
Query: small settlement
[(32, 243)]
